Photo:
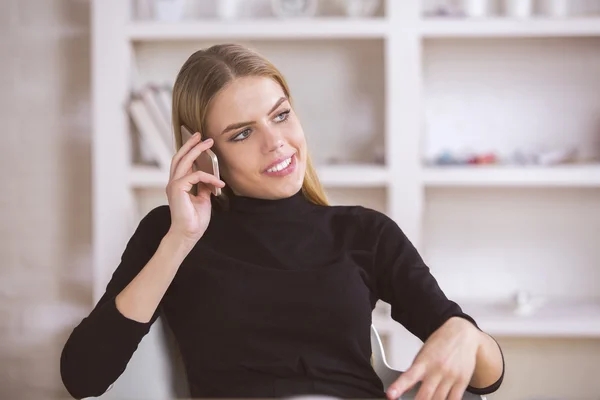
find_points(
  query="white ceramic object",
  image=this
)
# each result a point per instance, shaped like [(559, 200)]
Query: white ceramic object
[(555, 8), (228, 9), (526, 304), (360, 8), (518, 8), (477, 8), (168, 10), (294, 8)]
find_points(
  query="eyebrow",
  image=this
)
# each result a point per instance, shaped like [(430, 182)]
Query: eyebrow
[(238, 125)]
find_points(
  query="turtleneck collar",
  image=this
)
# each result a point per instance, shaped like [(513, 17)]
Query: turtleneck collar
[(294, 204)]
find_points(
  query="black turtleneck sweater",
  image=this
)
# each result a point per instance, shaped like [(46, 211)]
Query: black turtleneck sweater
[(274, 300)]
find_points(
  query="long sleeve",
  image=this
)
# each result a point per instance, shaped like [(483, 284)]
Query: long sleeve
[(403, 280), (99, 348)]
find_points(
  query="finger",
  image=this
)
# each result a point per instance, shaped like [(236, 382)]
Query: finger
[(429, 387), (187, 181), (204, 191), (186, 162), (182, 151), (458, 391), (442, 390), (406, 381)]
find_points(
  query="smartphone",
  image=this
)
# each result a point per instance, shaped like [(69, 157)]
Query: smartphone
[(207, 161)]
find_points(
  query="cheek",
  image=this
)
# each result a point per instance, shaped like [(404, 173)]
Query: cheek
[(296, 136), (237, 161)]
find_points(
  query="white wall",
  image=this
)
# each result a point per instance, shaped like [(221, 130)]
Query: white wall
[(45, 197), (45, 286)]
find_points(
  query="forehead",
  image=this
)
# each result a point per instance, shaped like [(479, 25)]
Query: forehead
[(244, 99)]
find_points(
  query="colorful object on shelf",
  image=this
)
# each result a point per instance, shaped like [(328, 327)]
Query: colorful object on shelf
[(449, 158), (519, 157), (489, 158)]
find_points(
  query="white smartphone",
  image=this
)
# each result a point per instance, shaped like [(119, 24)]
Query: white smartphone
[(207, 161)]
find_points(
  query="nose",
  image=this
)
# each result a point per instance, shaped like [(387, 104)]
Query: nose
[(273, 140)]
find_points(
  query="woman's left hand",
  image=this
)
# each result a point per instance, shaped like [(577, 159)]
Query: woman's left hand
[(444, 365)]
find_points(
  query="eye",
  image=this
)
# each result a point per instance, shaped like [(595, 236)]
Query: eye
[(243, 135), (282, 116)]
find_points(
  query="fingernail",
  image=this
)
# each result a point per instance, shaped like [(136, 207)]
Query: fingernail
[(196, 134), (393, 393)]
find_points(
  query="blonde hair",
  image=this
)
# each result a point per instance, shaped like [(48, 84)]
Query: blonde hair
[(203, 76)]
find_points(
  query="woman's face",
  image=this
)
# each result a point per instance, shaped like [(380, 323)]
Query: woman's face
[(258, 139)]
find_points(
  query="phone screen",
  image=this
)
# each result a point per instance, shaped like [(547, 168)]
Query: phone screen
[(207, 161)]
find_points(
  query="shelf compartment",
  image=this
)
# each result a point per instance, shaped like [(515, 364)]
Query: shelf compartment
[(557, 319), (335, 176), (252, 29), (528, 176), (506, 27)]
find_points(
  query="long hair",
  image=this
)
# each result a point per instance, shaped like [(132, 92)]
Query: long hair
[(202, 77)]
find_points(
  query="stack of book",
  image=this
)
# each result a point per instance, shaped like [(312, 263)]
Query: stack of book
[(150, 111)]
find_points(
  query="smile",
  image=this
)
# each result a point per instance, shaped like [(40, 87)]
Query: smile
[(283, 168), (282, 165)]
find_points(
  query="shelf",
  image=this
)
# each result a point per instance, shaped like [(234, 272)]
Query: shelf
[(567, 319), (505, 27), (273, 29), (359, 175), (147, 177), (554, 319), (529, 176), (331, 176)]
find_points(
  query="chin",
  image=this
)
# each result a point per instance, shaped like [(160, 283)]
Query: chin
[(287, 190)]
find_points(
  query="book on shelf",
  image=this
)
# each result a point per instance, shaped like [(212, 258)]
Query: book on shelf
[(150, 110)]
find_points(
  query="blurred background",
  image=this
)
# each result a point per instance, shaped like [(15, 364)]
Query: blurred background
[(475, 124)]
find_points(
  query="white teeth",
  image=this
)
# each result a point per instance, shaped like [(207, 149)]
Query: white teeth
[(280, 166)]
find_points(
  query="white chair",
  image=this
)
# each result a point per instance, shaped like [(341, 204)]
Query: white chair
[(388, 375)]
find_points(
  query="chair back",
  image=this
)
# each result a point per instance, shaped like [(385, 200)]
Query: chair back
[(388, 375)]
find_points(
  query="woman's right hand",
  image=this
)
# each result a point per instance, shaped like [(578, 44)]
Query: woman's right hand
[(190, 214)]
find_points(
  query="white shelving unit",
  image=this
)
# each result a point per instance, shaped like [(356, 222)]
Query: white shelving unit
[(490, 231), (507, 27), (271, 29), (526, 176), (415, 85)]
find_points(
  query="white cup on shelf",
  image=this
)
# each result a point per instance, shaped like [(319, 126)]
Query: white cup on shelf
[(228, 9), (518, 8), (477, 8), (168, 10), (555, 8), (360, 8)]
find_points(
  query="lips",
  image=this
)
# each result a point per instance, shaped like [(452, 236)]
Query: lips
[(282, 168), (277, 162)]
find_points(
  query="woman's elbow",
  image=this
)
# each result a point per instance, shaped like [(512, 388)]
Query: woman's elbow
[(78, 375)]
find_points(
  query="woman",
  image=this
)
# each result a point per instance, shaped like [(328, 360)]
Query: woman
[(267, 289)]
